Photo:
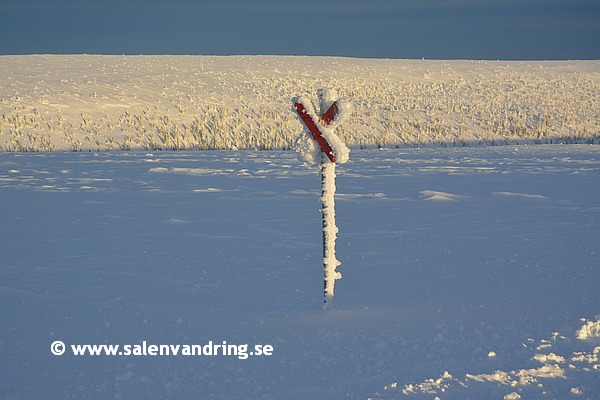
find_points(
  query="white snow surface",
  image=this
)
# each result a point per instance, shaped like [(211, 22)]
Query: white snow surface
[(468, 273), (99, 102)]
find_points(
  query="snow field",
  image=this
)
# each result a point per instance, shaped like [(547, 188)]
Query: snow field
[(468, 273), (87, 102)]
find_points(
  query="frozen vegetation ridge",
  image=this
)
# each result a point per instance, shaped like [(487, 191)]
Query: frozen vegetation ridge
[(93, 102)]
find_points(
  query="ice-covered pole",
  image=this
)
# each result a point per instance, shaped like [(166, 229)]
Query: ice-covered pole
[(330, 230), (326, 149)]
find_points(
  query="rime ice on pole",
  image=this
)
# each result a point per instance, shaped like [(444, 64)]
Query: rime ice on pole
[(330, 230), (344, 108), (305, 145), (319, 144)]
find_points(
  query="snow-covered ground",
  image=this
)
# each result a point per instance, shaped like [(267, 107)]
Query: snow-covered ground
[(81, 102), (467, 273)]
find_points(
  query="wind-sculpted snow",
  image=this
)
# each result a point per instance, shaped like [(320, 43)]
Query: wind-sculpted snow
[(547, 375), (85, 102), (468, 273)]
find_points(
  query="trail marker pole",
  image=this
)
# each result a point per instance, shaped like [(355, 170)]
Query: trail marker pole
[(330, 230), (321, 128)]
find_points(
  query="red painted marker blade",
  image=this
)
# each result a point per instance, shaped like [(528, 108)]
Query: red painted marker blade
[(314, 130), (330, 114)]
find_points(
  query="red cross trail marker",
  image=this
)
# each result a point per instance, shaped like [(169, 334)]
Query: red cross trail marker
[(314, 129), (322, 129)]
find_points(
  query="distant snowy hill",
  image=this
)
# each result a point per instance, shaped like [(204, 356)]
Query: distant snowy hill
[(89, 102)]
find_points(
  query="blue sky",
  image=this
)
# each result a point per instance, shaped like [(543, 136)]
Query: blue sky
[(433, 29)]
